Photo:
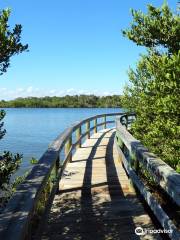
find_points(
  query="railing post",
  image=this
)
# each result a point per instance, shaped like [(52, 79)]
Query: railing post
[(88, 129), (57, 167), (137, 166), (126, 117), (104, 121), (57, 172), (68, 147), (95, 125), (78, 135)]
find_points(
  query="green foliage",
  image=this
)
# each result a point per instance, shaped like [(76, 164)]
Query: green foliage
[(9, 45), (178, 168), (77, 101), (18, 180), (9, 164), (10, 41), (33, 161), (2, 131), (159, 27), (153, 92)]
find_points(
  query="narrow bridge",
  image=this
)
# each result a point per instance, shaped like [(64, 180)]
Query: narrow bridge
[(89, 185)]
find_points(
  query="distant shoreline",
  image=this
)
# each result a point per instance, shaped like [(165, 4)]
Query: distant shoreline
[(76, 101), (1, 108)]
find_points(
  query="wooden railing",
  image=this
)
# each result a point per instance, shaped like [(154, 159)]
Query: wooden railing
[(136, 158), (42, 182)]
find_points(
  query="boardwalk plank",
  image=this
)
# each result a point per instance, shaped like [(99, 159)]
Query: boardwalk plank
[(96, 200)]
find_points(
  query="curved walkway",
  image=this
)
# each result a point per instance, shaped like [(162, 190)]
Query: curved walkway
[(96, 200)]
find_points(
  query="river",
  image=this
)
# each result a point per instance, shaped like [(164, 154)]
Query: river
[(30, 130)]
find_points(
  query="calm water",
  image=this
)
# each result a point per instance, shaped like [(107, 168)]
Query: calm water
[(30, 130)]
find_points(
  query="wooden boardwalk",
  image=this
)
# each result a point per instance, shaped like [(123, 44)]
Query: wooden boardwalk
[(96, 200)]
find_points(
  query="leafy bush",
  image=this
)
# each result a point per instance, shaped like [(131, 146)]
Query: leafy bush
[(9, 164), (10, 45), (10, 41), (153, 92)]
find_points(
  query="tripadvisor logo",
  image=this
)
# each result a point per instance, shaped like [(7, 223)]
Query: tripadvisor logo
[(139, 231)]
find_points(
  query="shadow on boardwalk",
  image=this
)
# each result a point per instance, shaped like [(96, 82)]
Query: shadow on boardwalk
[(96, 211)]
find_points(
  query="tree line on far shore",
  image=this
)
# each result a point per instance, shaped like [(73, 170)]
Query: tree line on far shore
[(76, 101)]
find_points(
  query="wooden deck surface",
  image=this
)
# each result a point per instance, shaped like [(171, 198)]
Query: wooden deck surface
[(96, 201)]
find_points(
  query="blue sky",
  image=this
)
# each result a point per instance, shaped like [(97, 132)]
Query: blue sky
[(75, 46)]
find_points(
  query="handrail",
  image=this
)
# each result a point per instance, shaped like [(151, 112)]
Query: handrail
[(163, 174), (135, 156), (127, 119), (16, 219)]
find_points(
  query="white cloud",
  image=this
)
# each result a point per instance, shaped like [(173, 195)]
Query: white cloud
[(3, 89), (30, 89), (7, 94), (106, 93), (70, 90), (19, 90), (52, 91)]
